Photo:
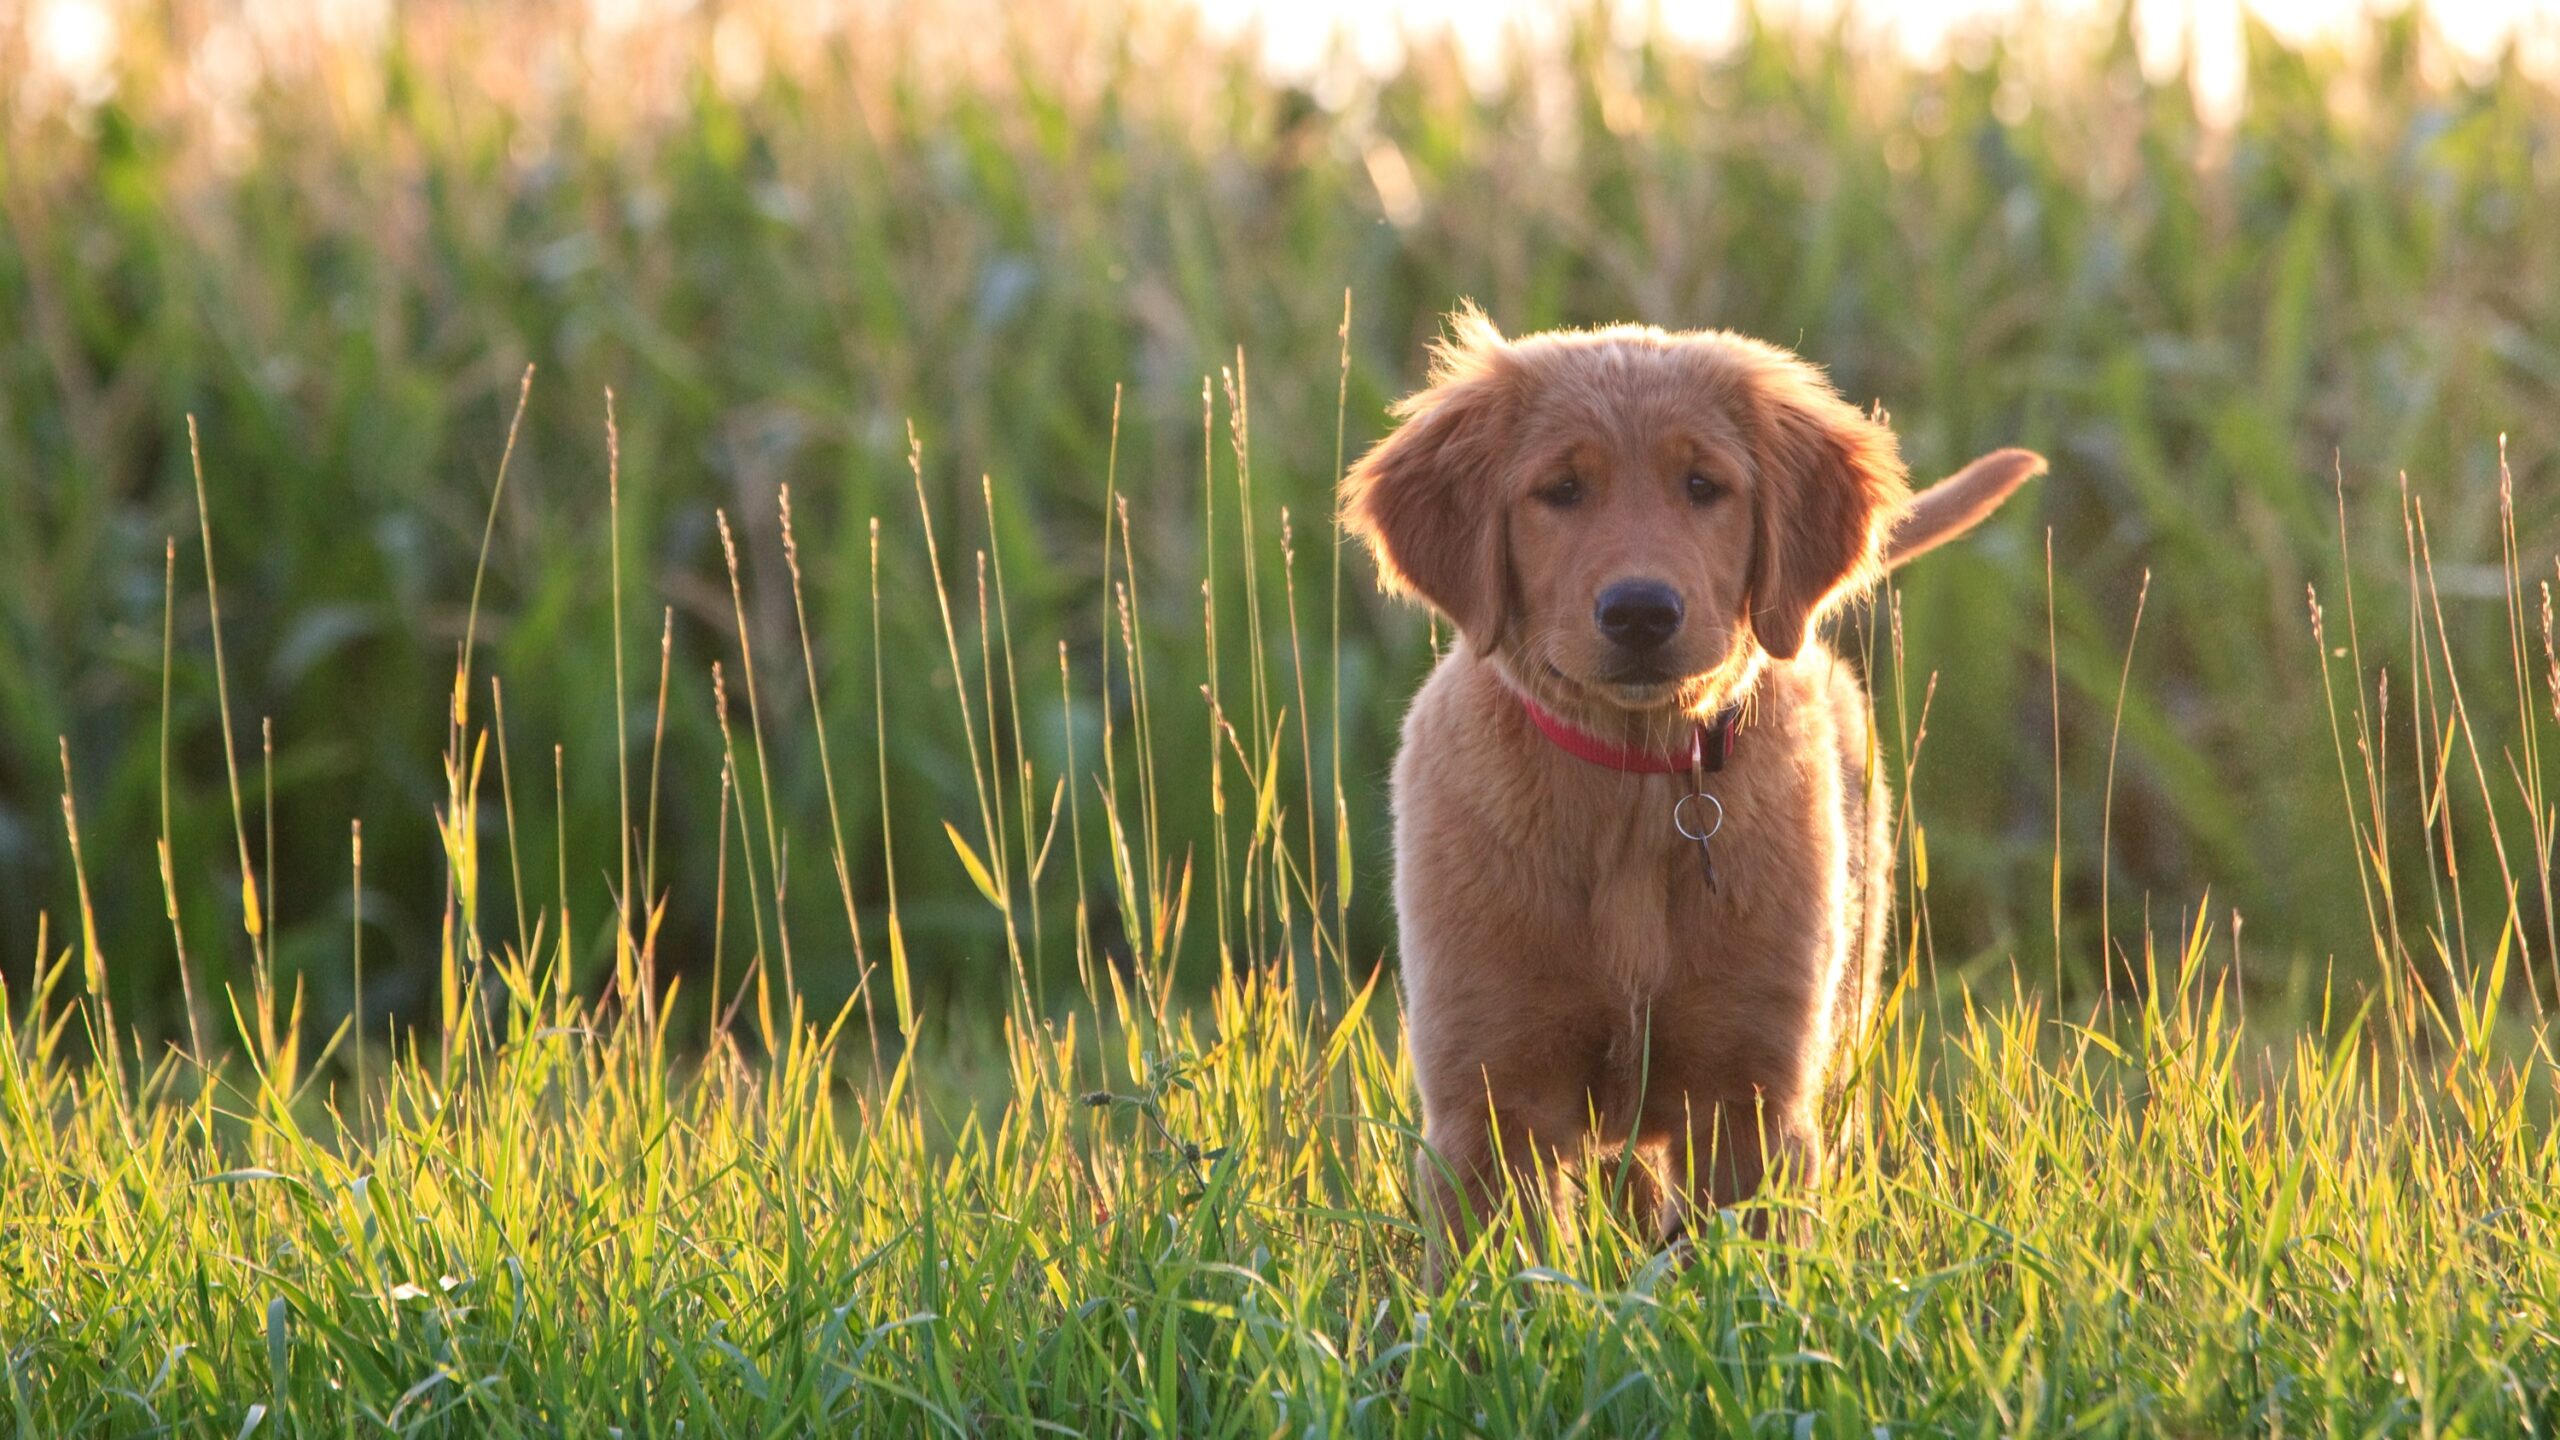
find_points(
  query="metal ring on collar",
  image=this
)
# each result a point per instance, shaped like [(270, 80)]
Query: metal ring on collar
[(1680, 816)]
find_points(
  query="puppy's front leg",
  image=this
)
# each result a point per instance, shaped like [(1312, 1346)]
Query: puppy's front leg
[(1468, 1159), (1721, 1152)]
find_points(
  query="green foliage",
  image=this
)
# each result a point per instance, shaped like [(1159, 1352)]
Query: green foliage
[(987, 228)]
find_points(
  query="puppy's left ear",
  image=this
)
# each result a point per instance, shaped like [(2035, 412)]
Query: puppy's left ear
[(1829, 480), (1428, 498)]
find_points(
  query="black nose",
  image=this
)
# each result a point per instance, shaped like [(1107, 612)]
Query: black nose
[(1638, 614)]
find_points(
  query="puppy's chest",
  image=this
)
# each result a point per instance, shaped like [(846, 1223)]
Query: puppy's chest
[(1653, 917)]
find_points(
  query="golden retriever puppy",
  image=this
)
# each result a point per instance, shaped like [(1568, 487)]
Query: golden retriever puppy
[(1637, 535)]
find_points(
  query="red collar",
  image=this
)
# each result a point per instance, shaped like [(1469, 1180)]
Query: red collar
[(1706, 749)]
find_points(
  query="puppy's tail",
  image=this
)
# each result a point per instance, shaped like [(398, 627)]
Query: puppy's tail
[(1958, 503)]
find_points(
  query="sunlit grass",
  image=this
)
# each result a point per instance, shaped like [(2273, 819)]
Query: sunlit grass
[(2144, 1226)]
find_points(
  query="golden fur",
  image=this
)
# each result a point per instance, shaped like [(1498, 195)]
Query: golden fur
[(1570, 981)]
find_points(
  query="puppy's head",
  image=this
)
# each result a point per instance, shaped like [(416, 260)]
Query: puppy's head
[(1630, 517)]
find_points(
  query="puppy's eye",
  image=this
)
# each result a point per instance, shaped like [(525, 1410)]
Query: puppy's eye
[(1703, 491), (1564, 494)]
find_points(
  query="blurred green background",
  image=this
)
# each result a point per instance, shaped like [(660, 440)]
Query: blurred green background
[(779, 249)]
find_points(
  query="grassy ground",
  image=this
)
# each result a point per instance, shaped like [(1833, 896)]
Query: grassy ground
[(977, 1022), (2145, 1225)]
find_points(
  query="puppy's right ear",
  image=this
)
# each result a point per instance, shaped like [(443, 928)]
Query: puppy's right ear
[(1427, 499)]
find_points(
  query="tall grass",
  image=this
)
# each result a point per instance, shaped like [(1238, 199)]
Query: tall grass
[(558, 1210), (985, 222)]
